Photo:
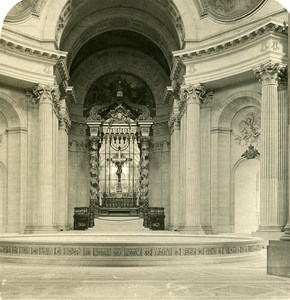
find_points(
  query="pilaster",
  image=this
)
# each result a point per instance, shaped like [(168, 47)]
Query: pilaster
[(175, 201), (62, 166)]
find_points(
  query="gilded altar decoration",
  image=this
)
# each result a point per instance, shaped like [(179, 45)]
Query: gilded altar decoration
[(249, 130), (125, 90), (120, 120)]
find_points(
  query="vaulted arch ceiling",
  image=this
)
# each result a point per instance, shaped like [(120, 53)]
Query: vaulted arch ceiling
[(153, 27)]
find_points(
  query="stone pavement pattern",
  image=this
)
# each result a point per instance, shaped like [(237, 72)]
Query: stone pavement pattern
[(241, 280)]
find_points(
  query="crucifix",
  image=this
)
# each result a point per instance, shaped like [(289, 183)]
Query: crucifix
[(119, 162)]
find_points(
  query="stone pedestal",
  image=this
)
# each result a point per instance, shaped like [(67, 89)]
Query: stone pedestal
[(278, 258)]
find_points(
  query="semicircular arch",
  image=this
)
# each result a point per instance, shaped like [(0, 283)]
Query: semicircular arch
[(13, 114), (119, 60), (224, 115)]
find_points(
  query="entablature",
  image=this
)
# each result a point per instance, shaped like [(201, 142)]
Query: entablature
[(239, 55)]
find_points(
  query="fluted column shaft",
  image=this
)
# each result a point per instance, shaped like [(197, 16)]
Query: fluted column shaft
[(45, 170), (182, 159), (175, 168), (47, 97), (192, 158), (273, 150)]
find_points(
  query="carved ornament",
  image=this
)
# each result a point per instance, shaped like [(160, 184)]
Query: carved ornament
[(268, 72), (250, 128), (283, 78), (195, 94), (251, 153), (44, 94)]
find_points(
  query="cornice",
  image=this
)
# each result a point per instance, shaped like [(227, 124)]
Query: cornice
[(270, 27), (29, 51)]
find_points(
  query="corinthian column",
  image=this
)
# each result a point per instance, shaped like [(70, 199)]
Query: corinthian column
[(192, 159), (64, 126), (285, 88), (273, 149), (175, 207), (48, 99)]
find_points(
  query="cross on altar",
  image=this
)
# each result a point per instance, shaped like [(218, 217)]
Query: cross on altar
[(119, 162)]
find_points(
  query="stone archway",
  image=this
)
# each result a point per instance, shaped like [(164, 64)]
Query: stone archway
[(13, 166)]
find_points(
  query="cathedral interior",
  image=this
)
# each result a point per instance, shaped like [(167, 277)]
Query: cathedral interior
[(143, 133)]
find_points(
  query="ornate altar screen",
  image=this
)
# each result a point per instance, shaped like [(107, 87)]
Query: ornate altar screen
[(119, 165), (119, 138)]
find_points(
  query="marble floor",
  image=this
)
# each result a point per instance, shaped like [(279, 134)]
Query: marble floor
[(240, 280)]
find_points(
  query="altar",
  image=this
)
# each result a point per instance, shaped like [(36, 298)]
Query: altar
[(119, 156)]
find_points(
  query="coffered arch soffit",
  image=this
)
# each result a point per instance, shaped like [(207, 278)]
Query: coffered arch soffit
[(24, 9), (177, 16), (120, 60), (112, 19), (223, 117)]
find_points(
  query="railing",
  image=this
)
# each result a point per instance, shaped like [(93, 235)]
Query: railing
[(119, 202)]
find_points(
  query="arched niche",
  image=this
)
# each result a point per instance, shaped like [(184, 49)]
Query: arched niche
[(223, 116), (246, 193), (226, 122), (13, 165), (12, 113)]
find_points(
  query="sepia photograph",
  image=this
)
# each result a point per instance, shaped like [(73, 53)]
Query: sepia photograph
[(144, 150)]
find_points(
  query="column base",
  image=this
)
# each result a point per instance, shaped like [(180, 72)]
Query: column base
[(44, 229), (192, 229), (63, 227), (286, 234), (268, 235), (207, 229), (278, 258), (270, 228)]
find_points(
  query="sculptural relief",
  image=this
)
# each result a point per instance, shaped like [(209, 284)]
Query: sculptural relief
[(249, 130)]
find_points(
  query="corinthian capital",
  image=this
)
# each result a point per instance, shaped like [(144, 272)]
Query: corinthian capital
[(196, 94), (43, 94), (268, 73)]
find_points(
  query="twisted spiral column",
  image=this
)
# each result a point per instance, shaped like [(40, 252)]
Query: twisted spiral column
[(94, 180), (144, 181)]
